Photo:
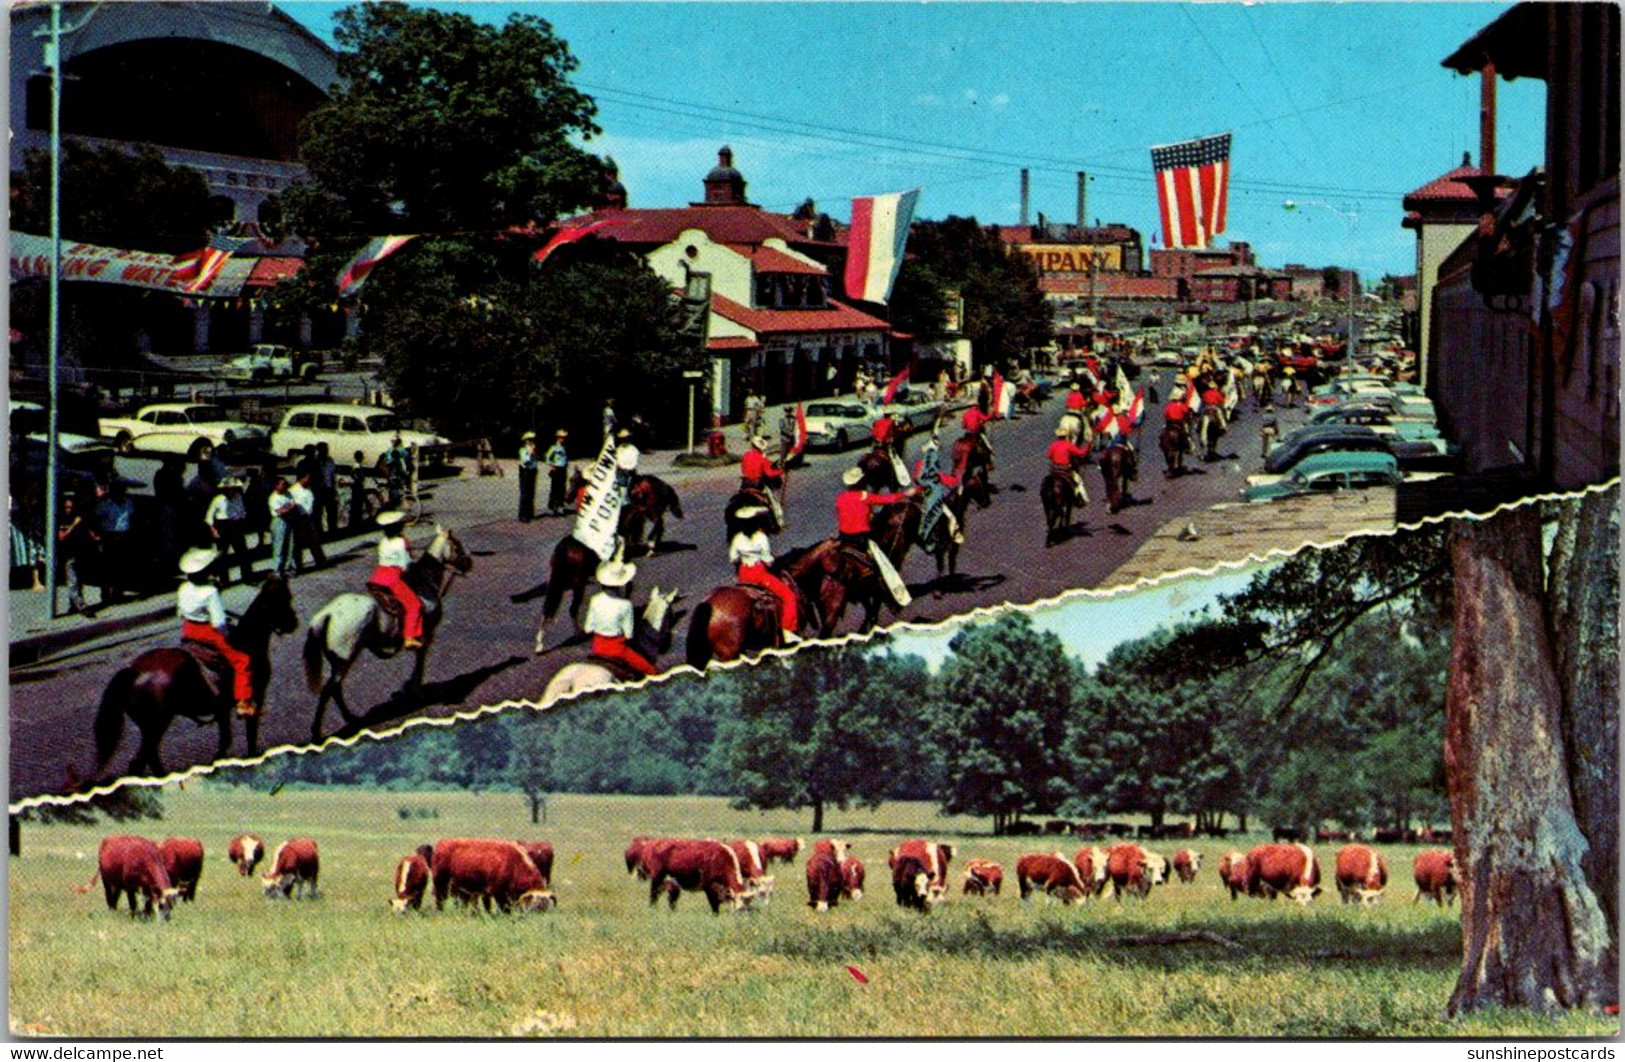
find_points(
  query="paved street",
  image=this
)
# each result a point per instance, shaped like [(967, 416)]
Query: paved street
[(483, 652)]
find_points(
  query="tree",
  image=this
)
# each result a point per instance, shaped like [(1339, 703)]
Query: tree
[(1002, 722), (530, 762), (130, 803)]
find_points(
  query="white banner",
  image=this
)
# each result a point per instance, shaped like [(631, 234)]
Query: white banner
[(31, 257), (600, 516)]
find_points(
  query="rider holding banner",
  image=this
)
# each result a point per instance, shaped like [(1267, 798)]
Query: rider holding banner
[(852, 521)]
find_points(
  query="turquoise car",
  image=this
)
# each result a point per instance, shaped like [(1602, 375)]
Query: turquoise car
[(1325, 473)]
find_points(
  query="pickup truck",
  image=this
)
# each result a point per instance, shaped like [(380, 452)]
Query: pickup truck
[(174, 427), (269, 361)]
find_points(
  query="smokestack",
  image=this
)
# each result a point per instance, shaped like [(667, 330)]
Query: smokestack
[(1026, 194), (1083, 200)]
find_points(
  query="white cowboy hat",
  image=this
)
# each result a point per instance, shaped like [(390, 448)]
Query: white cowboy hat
[(390, 518), (852, 477), (1076, 387), (1060, 430), (616, 573), (759, 441), (750, 512), (529, 435), (623, 434), (228, 482), (561, 433), (197, 560)]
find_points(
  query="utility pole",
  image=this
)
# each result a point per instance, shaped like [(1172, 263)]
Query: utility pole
[(53, 59)]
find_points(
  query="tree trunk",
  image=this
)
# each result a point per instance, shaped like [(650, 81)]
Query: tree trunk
[(1241, 822), (15, 835), (1533, 933), (818, 816), (535, 810)]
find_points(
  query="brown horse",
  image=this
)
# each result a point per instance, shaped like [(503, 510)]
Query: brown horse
[(972, 455), (1117, 467), (940, 544), (1174, 444), (833, 576), (569, 570), (1209, 429), (736, 621), (1059, 494), (161, 684), (648, 500)]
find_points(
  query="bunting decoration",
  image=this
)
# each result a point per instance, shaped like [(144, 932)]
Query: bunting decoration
[(890, 394), (572, 233)]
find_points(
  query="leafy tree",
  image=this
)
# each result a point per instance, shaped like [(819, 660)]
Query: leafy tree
[(128, 804), (1005, 312)]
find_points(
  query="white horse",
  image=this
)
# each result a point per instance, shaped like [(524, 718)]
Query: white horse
[(352, 622), (583, 675)]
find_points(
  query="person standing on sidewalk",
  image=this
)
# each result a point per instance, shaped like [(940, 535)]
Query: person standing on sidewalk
[(753, 414), (558, 471), (609, 417), (283, 508), (227, 518), (304, 522), (326, 486), (115, 520), (529, 468), (75, 542)]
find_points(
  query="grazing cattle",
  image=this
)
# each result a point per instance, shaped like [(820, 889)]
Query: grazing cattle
[(831, 847), (479, 870), (1092, 869), (1393, 836), (183, 859), (1187, 862), (246, 851), (541, 853), (412, 880), (1437, 875), (1058, 826), (1324, 836), (1283, 869), (933, 856), (1233, 872), (1022, 828), (1134, 870), (913, 883), (1361, 874), (709, 867), (1216, 831), (634, 855), (824, 884), (753, 869), (983, 876), (133, 866), (852, 874), (1052, 873), (294, 866), (784, 849), (1287, 835), (1119, 829), (1090, 831)]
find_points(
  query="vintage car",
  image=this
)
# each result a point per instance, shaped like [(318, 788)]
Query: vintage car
[(268, 362), (175, 427), (348, 430), (836, 424), (1324, 473)]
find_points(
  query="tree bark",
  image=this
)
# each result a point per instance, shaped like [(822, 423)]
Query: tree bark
[(818, 816), (1533, 934)]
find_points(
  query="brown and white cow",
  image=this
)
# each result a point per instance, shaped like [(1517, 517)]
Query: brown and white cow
[(488, 871), (294, 865), (830, 846), (133, 866), (675, 865), (1187, 861), (1054, 874), (784, 849), (1233, 873), (1361, 874), (852, 876), (634, 854), (1437, 875), (824, 883), (245, 851), (1091, 862), (753, 869), (1134, 870), (933, 856), (412, 880), (983, 876), (1284, 870), (912, 881), (541, 853), (183, 859)]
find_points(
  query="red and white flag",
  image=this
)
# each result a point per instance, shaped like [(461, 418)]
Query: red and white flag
[(801, 430), (572, 233), (1136, 408), (1106, 426), (874, 247), (1192, 398), (378, 248), (891, 389), (1193, 186)]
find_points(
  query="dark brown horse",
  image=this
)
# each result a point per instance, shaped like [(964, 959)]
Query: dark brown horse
[(736, 621), (161, 684), (1118, 468), (569, 570), (973, 456), (940, 543), (1059, 494), (648, 500), (833, 575), (879, 471), (1174, 444)]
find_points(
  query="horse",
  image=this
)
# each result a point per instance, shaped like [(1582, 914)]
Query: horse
[(654, 635), (647, 501), (354, 622), (746, 497), (829, 575), (1117, 467), (879, 470), (570, 569), (1209, 428), (161, 684), (973, 455), (941, 544), (1058, 494), (736, 621), (1174, 444)]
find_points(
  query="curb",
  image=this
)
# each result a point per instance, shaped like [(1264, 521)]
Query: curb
[(34, 648)]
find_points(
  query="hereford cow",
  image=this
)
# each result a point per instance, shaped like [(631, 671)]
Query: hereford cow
[(708, 867), (852, 874), (1233, 872), (246, 851), (823, 881), (293, 866), (1437, 875), (912, 882), (1052, 873), (784, 849), (831, 847), (133, 865), (753, 869), (183, 859), (1134, 870), (983, 876), (412, 880), (933, 856), (1361, 874), (1187, 862), (478, 870), (634, 855), (1091, 863), (541, 853), (1283, 869)]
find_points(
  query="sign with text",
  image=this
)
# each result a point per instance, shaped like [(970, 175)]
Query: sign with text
[(31, 257), (1073, 257), (600, 515)]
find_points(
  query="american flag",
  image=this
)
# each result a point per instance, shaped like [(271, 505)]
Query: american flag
[(1193, 186), (199, 268)]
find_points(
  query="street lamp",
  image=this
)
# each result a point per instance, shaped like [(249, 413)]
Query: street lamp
[(1350, 218), (693, 376)]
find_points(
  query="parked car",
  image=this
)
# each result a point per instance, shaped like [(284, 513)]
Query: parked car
[(838, 424), (1379, 416), (1419, 449), (1325, 473), (913, 407), (269, 361), (175, 427), (347, 429)]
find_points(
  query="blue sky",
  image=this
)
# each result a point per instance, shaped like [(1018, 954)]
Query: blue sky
[(1344, 104)]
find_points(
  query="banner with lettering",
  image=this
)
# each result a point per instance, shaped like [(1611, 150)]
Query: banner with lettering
[(600, 514), (31, 258)]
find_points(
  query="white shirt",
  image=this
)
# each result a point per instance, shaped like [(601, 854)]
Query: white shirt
[(303, 497), (750, 549), (200, 603), (392, 552), (609, 615), (222, 508), (626, 457), (277, 501)]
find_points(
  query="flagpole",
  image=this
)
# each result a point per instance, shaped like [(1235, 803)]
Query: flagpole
[(54, 326)]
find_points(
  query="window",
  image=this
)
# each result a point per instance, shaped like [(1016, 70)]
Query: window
[(353, 424), (1328, 482), (170, 416), (327, 421), (1370, 479), (383, 422), (302, 420)]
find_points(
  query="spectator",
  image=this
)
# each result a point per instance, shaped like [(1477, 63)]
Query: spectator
[(753, 414), (327, 490), (358, 492), (304, 522), (115, 519), (396, 465), (227, 517), (306, 466), (609, 417), (170, 494), (28, 535), (529, 467), (282, 508), (75, 545), (558, 468)]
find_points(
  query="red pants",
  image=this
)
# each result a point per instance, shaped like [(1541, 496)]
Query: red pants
[(395, 579), (615, 647), (758, 575), (242, 675)]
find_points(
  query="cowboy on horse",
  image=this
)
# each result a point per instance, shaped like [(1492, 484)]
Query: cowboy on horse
[(752, 553), (203, 622), (973, 451), (758, 475), (394, 557), (852, 521), (612, 623), (939, 487), (1175, 441), (1213, 423), (1064, 458)]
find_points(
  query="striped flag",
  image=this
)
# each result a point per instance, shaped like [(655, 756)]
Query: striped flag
[(874, 247), (1193, 183), (1106, 426), (378, 248), (1136, 408), (891, 389), (801, 430), (1192, 398), (571, 234), (199, 268)]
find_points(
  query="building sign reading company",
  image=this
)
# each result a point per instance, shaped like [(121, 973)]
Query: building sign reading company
[(1072, 257)]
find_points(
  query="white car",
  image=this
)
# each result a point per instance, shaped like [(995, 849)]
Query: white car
[(270, 362), (174, 427), (346, 430), (839, 423)]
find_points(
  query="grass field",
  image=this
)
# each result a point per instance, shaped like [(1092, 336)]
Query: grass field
[(604, 964)]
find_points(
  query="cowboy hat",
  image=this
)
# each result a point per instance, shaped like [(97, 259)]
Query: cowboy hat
[(529, 435), (197, 560), (852, 477), (389, 518), (561, 433), (228, 482), (623, 434), (1061, 431), (616, 573), (758, 441), (750, 512)]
